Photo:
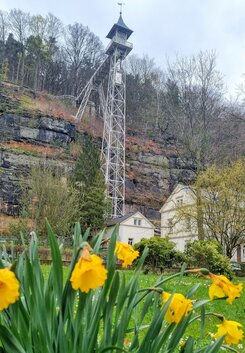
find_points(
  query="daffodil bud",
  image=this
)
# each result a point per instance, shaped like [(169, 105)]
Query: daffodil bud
[(204, 271)]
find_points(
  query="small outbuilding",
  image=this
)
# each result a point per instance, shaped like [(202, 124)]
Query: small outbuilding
[(133, 227)]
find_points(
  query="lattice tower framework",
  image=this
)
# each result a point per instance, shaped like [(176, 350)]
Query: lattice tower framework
[(113, 107)]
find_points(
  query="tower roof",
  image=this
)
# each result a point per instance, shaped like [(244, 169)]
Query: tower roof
[(120, 25)]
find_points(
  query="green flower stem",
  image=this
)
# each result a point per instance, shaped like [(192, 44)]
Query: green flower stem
[(151, 289), (199, 316)]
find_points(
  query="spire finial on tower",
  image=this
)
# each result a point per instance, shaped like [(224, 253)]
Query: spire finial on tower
[(121, 5)]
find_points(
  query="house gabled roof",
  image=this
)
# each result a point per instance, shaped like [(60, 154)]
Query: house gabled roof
[(120, 220), (179, 187)]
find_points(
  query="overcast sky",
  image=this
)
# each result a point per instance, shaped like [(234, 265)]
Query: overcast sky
[(162, 28)]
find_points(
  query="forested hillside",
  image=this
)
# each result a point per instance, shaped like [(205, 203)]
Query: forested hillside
[(184, 105), (179, 119)]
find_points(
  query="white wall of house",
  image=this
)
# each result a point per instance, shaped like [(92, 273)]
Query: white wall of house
[(239, 254), (243, 253), (178, 230), (133, 229)]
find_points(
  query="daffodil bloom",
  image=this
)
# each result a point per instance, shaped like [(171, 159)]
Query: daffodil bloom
[(232, 331), (179, 307), (89, 273), (9, 288), (126, 253), (223, 287)]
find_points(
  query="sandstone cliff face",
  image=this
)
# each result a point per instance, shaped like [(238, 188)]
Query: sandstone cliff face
[(150, 171), (16, 162), (151, 176)]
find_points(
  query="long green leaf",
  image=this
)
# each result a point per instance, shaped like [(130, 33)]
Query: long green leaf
[(56, 262), (9, 341)]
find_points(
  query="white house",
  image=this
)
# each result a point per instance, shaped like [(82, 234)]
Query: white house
[(180, 230), (132, 228)]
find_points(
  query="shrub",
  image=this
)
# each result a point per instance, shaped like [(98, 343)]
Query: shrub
[(208, 253), (242, 272), (20, 227), (47, 194), (161, 253)]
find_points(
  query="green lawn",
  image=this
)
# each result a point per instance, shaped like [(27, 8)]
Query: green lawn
[(235, 312)]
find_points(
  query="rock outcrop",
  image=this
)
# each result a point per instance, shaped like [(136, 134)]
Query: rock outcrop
[(151, 169), (16, 163)]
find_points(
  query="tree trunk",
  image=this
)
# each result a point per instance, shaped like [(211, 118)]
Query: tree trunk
[(18, 69), (36, 77), (23, 69), (229, 252), (200, 228)]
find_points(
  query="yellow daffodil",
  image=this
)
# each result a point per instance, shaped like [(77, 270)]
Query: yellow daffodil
[(232, 330), (223, 287), (9, 288), (179, 307), (89, 272), (126, 253)]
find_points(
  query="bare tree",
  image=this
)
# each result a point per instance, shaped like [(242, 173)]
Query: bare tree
[(19, 24), (54, 26), (194, 102), (39, 26), (144, 68), (143, 91), (81, 47), (4, 25)]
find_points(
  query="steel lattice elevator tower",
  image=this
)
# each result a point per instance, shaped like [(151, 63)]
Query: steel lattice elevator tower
[(113, 106)]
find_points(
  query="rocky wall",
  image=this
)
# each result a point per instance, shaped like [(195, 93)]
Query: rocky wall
[(150, 175)]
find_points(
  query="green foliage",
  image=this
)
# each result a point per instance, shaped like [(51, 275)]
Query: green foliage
[(208, 253), (93, 204), (161, 253), (222, 201), (47, 194), (90, 184), (51, 317), (4, 71), (242, 272), (21, 227), (88, 163)]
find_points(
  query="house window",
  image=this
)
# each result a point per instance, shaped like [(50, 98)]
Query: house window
[(179, 201), (170, 225), (137, 222), (188, 224), (130, 241)]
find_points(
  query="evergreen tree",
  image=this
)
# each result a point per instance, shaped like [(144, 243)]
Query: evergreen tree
[(13, 50), (90, 182)]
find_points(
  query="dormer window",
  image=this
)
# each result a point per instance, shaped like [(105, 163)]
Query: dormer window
[(179, 201), (137, 222)]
